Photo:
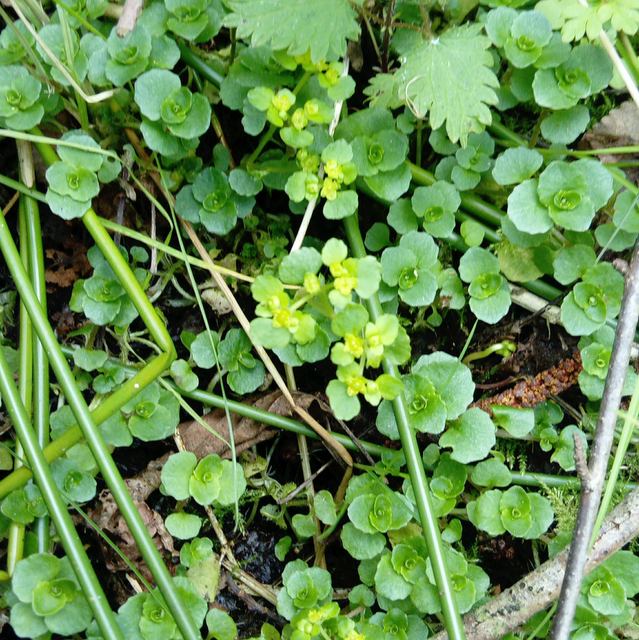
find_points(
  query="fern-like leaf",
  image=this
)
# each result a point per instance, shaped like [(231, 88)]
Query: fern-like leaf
[(323, 26)]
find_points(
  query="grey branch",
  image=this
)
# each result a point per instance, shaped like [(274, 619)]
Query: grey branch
[(514, 606), (593, 480)]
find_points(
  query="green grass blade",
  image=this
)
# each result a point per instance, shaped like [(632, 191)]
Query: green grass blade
[(55, 504)]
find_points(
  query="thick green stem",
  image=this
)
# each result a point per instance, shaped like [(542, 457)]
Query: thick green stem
[(64, 525), (107, 408), (35, 265), (197, 64), (81, 412), (15, 541), (430, 526)]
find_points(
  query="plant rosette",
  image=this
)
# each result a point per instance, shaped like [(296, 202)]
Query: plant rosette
[(101, 297), (413, 268), (210, 480), (212, 202), (74, 180), (47, 598), (488, 289), (595, 299), (20, 98), (566, 194), (174, 118), (523, 515)]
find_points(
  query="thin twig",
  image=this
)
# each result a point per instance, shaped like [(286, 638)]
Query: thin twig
[(592, 484), (533, 593), (128, 18), (289, 496)]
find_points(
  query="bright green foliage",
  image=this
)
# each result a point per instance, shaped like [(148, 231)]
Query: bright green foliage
[(587, 71), (447, 484), (13, 39), (211, 480), (563, 127), (466, 167), (73, 181), (596, 350), (382, 151), (593, 300), (522, 35), (220, 626), (439, 389), (518, 422), (298, 335), (374, 508), (576, 19), (74, 482), (471, 436), (183, 375), (488, 289), (172, 114), (203, 349), (412, 267), (470, 584), (128, 55), (304, 588), (49, 599), (523, 515), (245, 372), (101, 297), (394, 624), (212, 202), (564, 453), (197, 20), (450, 78), (340, 171), (491, 473), (349, 274), (296, 26), (276, 105), (183, 526), (24, 505), (20, 106), (435, 206), (152, 414), (145, 616), (566, 194), (516, 165), (277, 323)]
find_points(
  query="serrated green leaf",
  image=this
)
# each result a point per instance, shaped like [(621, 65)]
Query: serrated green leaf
[(323, 26), (451, 78)]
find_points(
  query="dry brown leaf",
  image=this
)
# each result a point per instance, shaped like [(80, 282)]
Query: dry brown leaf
[(108, 518), (246, 431), (66, 267)]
